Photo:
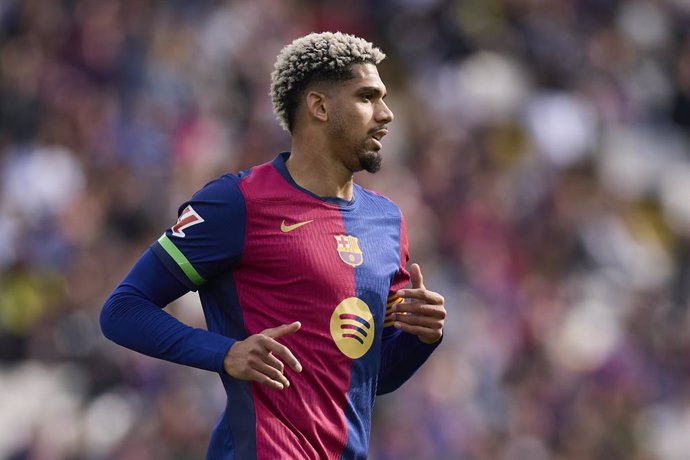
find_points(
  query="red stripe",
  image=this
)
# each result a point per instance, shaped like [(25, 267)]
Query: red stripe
[(305, 420)]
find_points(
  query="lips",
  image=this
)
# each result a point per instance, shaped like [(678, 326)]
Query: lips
[(378, 135)]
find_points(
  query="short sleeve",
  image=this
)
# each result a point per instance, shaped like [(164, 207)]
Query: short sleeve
[(208, 236)]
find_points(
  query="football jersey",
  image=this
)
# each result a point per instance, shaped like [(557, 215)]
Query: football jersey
[(262, 252)]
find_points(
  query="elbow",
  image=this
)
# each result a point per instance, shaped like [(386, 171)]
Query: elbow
[(107, 319), (117, 314)]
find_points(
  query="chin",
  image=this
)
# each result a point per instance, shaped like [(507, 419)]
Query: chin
[(370, 161)]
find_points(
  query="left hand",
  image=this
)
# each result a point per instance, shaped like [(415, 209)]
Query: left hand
[(423, 313)]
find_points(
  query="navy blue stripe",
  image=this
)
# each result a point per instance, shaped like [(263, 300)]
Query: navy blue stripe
[(376, 225), (234, 436)]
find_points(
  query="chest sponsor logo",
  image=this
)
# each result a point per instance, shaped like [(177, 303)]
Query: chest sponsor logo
[(348, 250), (352, 327), (188, 218)]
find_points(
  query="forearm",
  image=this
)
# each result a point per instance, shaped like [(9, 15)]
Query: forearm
[(133, 316), (131, 320), (401, 355)]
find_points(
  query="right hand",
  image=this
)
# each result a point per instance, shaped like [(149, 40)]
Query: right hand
[(256, 357)]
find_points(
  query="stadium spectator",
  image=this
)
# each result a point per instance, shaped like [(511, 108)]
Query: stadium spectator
[(540, 153)]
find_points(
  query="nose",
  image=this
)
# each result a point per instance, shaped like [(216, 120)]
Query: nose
[(385, 114)]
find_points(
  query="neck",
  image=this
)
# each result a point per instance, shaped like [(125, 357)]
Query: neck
[(314, 168)]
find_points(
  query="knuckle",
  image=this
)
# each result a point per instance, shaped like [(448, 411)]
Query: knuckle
[(262, 338), (256, 351)]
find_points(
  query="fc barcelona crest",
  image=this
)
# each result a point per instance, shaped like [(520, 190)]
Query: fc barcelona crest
[(348, 250)]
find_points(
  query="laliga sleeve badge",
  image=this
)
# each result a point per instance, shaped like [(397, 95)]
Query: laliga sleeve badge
[(188, 218)]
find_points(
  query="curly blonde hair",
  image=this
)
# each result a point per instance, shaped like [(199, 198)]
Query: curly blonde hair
[(317, 57)]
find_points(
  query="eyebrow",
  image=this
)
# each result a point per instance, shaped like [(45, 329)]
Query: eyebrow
[(372, 90)]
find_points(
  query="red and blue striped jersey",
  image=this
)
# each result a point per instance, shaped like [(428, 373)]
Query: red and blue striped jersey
[(263, 251)]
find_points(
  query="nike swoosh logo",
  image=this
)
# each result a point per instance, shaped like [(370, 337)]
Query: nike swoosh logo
[(288, 228)]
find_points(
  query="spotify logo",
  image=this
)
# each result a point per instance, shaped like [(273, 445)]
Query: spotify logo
[(352, 327)]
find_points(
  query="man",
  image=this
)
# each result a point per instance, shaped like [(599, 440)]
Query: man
[(301, 273)]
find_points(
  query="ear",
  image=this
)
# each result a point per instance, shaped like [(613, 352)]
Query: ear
[(316, 105)]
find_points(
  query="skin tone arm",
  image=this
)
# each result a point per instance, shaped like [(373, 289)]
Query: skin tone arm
[(423, 313)]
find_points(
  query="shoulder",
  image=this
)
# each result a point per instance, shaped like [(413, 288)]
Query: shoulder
[(379, 202), (222, 187), (215, 201), (226, 187)]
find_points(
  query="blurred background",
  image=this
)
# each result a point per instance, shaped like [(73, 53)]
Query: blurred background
[(541, 155)]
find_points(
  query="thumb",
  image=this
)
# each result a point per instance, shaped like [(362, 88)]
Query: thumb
[(282, 330), (416, 277)]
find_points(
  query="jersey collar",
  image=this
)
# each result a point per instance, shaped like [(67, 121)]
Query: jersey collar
[(279, 164)]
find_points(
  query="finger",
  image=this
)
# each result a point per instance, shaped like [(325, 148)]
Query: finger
[(430, 297), (263, 379), (416, 277), (423, 321), (420, 309), (274, 362), (425, 334), (282, 330), (284, 353), (272, 373)]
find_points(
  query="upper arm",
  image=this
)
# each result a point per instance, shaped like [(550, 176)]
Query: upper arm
[(151, 279), (208, 236)]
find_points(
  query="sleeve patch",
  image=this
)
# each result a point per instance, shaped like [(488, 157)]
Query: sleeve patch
[(188, 218), (388, 319)]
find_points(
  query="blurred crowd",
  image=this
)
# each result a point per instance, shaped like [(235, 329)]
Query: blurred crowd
[(540, 153)]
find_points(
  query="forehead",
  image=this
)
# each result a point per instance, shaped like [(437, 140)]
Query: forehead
[(365, 75)]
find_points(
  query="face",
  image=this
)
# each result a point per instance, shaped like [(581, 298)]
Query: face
[(358, 117)]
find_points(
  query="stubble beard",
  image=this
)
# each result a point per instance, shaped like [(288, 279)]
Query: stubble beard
[(369, 160)]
